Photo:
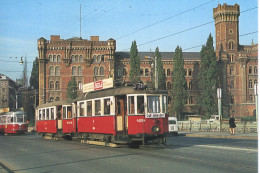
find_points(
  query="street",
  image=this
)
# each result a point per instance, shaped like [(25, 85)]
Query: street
[(31, 153)]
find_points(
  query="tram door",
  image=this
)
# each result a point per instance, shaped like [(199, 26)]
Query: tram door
[(120, 114)]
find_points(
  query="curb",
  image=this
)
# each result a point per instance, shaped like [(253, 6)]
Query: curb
[(221, 136)]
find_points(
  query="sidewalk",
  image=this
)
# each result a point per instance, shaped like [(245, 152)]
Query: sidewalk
[(224, 135)]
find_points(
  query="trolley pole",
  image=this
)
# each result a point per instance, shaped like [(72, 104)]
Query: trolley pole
[(219, 94), (156, 73)]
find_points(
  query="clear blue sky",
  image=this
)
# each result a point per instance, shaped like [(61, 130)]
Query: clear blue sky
[(23, 22)]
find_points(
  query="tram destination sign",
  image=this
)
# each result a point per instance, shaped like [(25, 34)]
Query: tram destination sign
[(99, 85), (155, 115)]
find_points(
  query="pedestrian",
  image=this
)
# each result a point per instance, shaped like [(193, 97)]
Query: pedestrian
[(232, 125)]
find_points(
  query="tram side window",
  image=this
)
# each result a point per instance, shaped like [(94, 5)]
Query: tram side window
[(107, 106), (40, 114), (64, 113), (19, 118), (89, 108), (131, 104), (164, 104), (69, 112), (140, 104), (52, 113), (97, 107), (43, 114), (153, 104), (81, 109), (47, 114)]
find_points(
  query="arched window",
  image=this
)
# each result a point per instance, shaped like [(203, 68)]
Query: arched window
[(51, 85), (250, 70), (51, 99), (57, 85), (169, 86), (141, 72), (255, 70), (74, 69), (231, 70), (58, 58), (50, 58), (95, 58), (51, 71), (95, 71), (79, 70), (57, 99), (231, 57), (102, 58), (76, 58), (232, 99), (80, 58), (54, 58), (231, 45), (168, 72), (57, 71), (250, 84), (231, 84), (255, 81), (80, 85), (98, 58), (146, 72), (101, 71), (124, 72), (72, 58), (190, 85)]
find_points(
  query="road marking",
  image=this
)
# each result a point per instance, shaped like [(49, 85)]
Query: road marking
[(227, 148)]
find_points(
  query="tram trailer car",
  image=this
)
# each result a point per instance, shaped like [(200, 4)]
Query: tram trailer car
[(116, 115), (13, 123)]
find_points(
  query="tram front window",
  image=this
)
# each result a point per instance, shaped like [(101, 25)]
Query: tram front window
[(19, 118), (153, 104)]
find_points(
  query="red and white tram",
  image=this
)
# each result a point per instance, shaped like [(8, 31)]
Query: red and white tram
[(13, 123), (115, 115)]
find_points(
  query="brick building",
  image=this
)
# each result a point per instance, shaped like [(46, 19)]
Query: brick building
[(93, 60)]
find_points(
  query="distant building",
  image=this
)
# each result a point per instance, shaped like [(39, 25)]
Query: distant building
[(93, 60), (8, 90)]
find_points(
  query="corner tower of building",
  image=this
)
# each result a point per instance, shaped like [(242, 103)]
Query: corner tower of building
[(227, 29)]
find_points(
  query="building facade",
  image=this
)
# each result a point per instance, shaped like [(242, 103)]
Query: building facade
[(93, 60)]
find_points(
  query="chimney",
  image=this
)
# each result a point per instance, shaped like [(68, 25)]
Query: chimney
[(94, 38)]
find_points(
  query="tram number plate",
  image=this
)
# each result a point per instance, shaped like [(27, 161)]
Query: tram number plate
[(155, 115)]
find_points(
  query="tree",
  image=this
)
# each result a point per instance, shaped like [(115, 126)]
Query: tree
[(72, 89), (208, 79), (179, 83), (160, 71), (134, 73), (34, 79)]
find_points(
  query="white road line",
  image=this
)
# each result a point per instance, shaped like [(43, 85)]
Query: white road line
[(227, 148)]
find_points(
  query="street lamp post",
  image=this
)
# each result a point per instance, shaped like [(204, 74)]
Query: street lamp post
[(256, 101), (219, 95)]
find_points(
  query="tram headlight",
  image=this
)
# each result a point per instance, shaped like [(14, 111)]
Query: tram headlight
[(155, 129)]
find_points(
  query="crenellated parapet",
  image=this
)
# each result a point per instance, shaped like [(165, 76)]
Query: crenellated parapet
[(226, 13)]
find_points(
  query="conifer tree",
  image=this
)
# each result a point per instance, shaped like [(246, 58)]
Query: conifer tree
[(179, 83), (208, 79), (72, 89), (134, 73), (160, 71), (34, 79)]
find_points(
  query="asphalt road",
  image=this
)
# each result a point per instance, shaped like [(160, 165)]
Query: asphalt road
[(31, 153)]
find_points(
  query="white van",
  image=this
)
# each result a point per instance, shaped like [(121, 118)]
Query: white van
[(173, 125)]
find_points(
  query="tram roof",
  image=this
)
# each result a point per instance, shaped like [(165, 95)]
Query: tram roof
[(56, 103)]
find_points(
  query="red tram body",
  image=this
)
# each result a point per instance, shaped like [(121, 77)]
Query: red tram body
[(115, 115), (13, 123)]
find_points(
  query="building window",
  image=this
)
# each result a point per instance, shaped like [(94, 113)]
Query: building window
[(51, 99), (79, 70), (58, 58), (169, 99), (231, 31), (231, 45), (250, 84), (72, 58), (231, 57), (76, 58), (124, 72), (169, 86), (80, 85), (102, 58), (255, 70), (146, 72), (232, 99), (95, 71), (50, 58), (51, 71), (250, 70), (190, 100), (255, 81), (51, 85), (57, 85), (74, 69), (54, 58), (95, 58), (57, 71), (231, 70), (57, 99), (231, 84), (189, 72), (168, 72), (98, 58), (101, 71), (185, 72), (190, 85), (251, 98), (141, 72), (80, 58)]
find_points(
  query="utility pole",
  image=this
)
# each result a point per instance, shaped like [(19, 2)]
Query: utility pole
[(219, 95)]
